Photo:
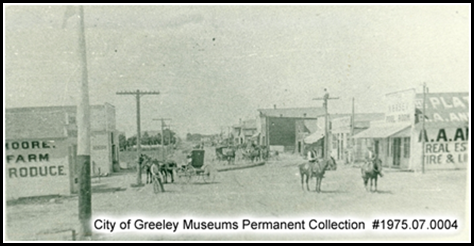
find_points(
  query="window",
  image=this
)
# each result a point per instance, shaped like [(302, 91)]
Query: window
[(388, 147), (70, 119), (406, 147)]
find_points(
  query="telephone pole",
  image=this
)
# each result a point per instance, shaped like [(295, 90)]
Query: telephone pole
[(423, 131), (352, 131), (83, 138), (326, 125), (137, 95), (162, 120)]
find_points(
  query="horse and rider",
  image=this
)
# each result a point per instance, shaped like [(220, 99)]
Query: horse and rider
[(371, 169), (315, 167)]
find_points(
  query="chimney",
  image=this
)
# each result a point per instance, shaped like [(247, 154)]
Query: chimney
[(274, 106)]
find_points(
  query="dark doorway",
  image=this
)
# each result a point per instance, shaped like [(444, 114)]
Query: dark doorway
[(396, 151), (377, 147)]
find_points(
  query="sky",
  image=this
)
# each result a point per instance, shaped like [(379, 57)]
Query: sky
[(214, 65)]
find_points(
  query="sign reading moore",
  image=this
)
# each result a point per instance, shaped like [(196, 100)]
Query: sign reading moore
[(36, 167)]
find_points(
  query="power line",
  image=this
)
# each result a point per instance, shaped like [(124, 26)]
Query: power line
[(137, 95)]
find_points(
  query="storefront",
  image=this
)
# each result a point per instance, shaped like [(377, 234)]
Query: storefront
[(446, 140), (40, 147), (346, 149), (398, 139)]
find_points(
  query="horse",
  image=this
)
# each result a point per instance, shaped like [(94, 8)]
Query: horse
[(371, 170), (166, 169), (315, 169), (254, 154), (264, 152), (225, 154), (144, 162), (229, 155)]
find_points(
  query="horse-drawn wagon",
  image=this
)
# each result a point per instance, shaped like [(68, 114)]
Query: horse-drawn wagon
[(225, 153), (195, 167)]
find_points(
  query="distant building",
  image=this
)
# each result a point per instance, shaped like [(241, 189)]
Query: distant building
[(311, 134), (41, 144), (245, 131), (278, 127), (345, 148), (397, 139)]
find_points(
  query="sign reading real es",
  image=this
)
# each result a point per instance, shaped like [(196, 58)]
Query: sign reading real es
[(36, 167), (446, 146)]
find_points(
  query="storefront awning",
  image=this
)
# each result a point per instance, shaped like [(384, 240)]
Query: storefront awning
[(382, 131), (314, 137)]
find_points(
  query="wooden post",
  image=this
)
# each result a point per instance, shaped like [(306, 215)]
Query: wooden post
[(83, 140), (326, 121), (423, 131), (162, 120), (139, 142), (138, 94)]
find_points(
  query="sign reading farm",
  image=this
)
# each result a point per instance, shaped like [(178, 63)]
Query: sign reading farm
[(36, 167)]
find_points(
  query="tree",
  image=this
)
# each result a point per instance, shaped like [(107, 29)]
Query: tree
[(122, 142), (131, 141), (145, 139)]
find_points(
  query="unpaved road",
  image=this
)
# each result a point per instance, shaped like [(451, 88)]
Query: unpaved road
[(271, 191)]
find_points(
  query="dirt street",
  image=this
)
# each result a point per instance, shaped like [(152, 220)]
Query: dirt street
[(272, 191)]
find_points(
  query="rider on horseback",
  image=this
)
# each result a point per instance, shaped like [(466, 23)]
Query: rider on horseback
[(373, 158), (312, 155)]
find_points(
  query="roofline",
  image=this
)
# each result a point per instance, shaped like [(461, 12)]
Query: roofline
[(302, 118), (61, 106), (289, 108)]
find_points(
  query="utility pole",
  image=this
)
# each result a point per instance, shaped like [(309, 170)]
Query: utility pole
[(326, 125), (352, 118), (352, 131), (137, 95), (162, 120), (423, 131), (83, 139)]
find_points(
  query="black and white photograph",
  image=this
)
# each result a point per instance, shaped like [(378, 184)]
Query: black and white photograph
[(236, 122)]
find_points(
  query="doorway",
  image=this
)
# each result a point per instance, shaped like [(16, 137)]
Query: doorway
[(396, 151)]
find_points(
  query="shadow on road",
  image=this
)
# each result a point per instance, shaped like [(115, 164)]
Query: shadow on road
[(383, 192), (334, 191), (202, 183), (107, 189)]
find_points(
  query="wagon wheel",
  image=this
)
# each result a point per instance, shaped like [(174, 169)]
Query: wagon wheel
[(189, 173), (209, 174)]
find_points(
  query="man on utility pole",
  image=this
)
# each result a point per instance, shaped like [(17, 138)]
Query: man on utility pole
[(138, 94), (325, 99)]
